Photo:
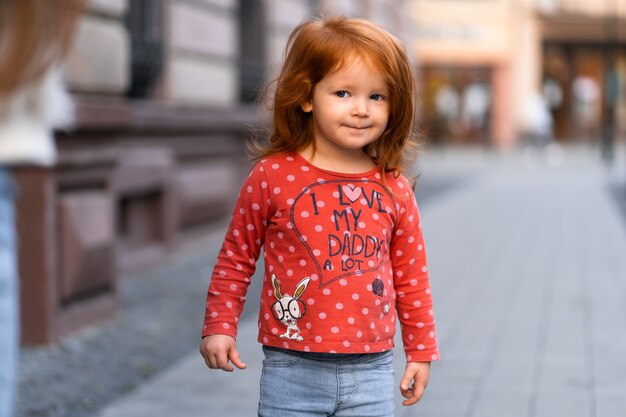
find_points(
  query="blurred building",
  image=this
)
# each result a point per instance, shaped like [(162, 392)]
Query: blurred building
[(484, 63), (164, 93)]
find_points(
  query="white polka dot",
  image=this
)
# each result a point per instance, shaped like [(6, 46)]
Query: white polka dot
[(351, 320), (365, 311), (424, 268), (235, 232), (318, 228), (307, 349), (366, 348), (343, 282), (249, 189), (318, 339), (276, 190), (291, 178), (399, 232), (302, 262), (255, 206), (290, 201), (322, 315), (321, 204), (310, 301), (214, 315), (411, 337), (274, 330), (305, 214), (326, 291), (222, 273), (334, 329), (434, 357), (250, 227), (421, 347), (304, 168), (226, 326), (417, 303), (275, 166), (316, 252), (233, 287), (346, 343), (420, 325), (372, 325), (339, 306), (411, 239), (355, 296), (413, 282), (292, 249), (289, 272), (289, 158), (239, 267), (398, 253), (359, 334)]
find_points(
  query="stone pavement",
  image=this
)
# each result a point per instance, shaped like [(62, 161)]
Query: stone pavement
[(528, 267)]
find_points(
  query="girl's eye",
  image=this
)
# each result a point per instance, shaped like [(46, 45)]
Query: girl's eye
[(341, 94), (376, 97)]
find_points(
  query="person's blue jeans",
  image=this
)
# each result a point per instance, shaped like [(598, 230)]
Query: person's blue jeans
[(9, 302), (293, 386)]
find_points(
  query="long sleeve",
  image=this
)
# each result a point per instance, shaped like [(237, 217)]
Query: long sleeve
[(236, 261), (411, 281)]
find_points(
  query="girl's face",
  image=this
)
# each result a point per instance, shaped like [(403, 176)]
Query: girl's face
[(350, 109)]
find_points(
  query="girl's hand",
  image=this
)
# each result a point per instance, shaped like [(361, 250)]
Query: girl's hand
[(414, 381), (217, 350)]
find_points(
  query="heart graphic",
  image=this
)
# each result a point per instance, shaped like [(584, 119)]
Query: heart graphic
[(344, 227), (353, 193)]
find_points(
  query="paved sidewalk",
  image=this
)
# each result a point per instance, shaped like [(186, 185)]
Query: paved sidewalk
[(528, 266)]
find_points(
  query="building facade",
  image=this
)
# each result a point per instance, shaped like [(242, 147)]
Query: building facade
[(484, 63), (164, 93)]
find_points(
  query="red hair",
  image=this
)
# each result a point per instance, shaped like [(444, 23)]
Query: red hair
[(318, 47), (34, 35)]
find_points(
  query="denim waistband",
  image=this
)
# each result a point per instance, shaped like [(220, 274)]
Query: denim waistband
[(7, 186)]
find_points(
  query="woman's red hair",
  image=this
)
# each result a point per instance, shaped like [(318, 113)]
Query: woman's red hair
[(318, 47)]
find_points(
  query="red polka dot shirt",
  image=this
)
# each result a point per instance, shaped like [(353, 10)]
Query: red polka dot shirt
[(344, 261)]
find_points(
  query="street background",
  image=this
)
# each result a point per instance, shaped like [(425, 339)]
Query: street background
[(526, 256), (522, 189)]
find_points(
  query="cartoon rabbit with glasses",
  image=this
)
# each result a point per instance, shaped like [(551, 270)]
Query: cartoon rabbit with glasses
[(289, 309)]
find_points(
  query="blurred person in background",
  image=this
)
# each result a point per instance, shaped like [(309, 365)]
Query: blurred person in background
[(34, 36)]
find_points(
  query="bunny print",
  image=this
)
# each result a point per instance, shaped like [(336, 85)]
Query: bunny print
[(289, 309)]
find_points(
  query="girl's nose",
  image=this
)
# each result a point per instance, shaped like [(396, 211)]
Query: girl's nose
[(360, 108)]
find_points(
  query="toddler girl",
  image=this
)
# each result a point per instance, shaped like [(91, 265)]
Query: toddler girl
[(344, 251)]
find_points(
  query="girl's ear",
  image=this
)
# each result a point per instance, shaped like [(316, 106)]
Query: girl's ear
[(307, 107)]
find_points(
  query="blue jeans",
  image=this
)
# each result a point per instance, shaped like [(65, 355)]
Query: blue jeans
[(294, 386), (9, 303)]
